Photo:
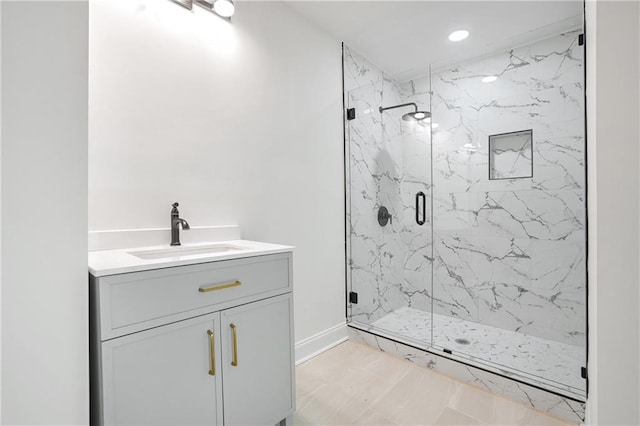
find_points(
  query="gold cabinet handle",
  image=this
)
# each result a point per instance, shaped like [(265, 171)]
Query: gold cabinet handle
[(219, 287), (234, 361), (212, 349)]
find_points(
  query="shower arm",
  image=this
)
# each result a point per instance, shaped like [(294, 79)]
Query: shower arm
[(400, 106)]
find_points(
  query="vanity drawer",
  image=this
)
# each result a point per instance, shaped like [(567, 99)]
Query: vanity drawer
[(136, 301)]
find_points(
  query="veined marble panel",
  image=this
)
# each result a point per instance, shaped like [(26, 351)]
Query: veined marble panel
[(562, 103), (497, 382), (537, 214), (557, 61), (512, 260), (466, 265), (358, 71), (418, 91), (559, 168)]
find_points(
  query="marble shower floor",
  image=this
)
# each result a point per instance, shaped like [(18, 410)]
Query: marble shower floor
[(554, 364)]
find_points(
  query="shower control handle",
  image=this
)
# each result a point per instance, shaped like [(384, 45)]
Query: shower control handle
[(384, 216)]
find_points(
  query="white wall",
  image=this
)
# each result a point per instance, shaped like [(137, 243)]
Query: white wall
[(0, 213), (239, 122), (44, 213), (613, 57)]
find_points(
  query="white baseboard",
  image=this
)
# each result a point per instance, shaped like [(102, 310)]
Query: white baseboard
[(318, 343)]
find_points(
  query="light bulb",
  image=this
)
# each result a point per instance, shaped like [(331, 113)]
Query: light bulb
[(224, 8)]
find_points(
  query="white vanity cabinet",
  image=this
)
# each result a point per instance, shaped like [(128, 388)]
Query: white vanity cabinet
[(202, 344), (258, 381), (160, 376)]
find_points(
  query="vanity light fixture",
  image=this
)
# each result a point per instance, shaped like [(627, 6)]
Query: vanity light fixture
[(222, 8), (185, 3), (489, 79), (458, 35)]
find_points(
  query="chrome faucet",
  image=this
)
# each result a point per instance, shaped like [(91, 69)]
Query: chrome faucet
[(176, 221)]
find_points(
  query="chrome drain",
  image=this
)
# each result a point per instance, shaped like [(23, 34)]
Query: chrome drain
[(461, 341)]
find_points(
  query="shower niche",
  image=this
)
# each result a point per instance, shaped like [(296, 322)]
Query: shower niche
[(482, 269), (510, 155)]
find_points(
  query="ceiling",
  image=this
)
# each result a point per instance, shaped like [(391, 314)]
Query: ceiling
[(405, 37)]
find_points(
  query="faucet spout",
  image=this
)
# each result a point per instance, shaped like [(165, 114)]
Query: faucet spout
[(176, 223)]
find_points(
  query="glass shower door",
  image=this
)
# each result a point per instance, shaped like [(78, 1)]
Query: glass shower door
[(389, 252), (509, 213), (364, 233)]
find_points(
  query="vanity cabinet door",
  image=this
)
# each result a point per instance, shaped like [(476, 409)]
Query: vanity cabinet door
[(164, 376), (258, 362)]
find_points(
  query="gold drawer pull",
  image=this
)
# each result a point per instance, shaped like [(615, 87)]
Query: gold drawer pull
[(234, 362), (219, 287), (212, 349)]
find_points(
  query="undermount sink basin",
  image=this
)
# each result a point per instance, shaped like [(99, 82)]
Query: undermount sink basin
[(184, 251)]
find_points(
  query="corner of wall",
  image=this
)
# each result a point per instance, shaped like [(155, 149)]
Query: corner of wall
[(318, 343)]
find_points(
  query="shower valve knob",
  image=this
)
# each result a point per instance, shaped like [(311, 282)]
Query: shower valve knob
[(384, 216)]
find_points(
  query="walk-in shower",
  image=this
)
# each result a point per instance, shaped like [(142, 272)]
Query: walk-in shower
[(484, 260)]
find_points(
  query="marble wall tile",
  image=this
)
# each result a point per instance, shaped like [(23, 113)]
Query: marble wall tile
[(559, 169), (456, 211), (535, 214), (418, 90), (358, 71), (454, 278), (557, 61), (562, 103)]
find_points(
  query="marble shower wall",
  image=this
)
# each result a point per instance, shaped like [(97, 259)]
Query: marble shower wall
[(388, 163), (511, 253)]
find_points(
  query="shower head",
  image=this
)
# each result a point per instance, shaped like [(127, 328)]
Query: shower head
[(410, 116), (416, 116)]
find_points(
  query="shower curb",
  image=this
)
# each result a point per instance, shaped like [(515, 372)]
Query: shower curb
[(550, 403)]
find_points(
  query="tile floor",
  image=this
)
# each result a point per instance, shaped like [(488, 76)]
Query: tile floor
[(353, 384)]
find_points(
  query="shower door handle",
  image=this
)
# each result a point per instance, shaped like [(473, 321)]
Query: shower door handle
[(420, 197)]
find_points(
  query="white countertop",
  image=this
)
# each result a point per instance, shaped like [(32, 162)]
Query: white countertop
[(121, 261)]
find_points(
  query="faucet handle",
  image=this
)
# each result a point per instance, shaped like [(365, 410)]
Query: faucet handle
[(175, 204)]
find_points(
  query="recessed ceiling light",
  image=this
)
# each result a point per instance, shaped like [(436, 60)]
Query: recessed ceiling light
[(224, 8), (489, 79), (458, 35)]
